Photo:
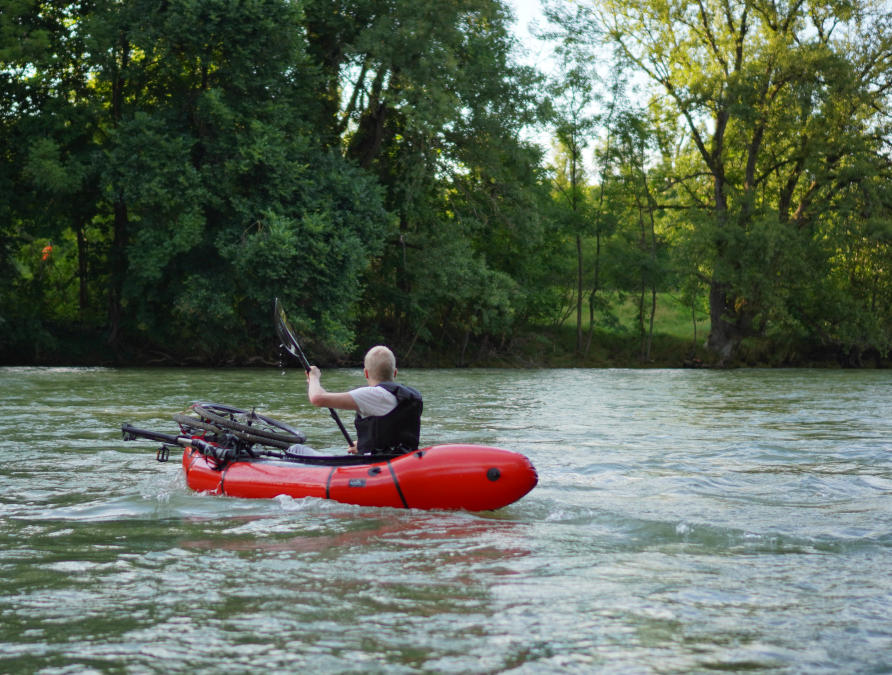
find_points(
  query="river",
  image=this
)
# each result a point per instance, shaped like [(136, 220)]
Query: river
[(684, 521)]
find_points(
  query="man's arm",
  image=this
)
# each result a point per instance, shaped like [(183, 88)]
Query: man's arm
[(324, 399)]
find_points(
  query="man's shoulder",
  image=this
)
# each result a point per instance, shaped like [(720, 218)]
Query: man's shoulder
[(370, 390), (401, 391), (373, 400)]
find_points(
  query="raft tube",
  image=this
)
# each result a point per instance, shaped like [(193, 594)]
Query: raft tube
[(449, 477)]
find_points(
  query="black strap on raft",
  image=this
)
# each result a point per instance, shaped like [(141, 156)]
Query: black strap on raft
[(396, 483)]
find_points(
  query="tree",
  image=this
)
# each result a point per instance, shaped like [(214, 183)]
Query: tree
[(782, 104), (633, 160), (213, 162), (431, 105), (49, 172), (180, 136), (575, 121)]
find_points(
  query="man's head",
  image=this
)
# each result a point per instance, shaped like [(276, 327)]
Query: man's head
[(380, 364)]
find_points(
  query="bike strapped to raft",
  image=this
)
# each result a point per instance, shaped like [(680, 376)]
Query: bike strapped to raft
[(232, 452), (227, 434)]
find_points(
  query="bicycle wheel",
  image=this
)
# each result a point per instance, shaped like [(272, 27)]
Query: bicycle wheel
[(188, 423), (249, 422)]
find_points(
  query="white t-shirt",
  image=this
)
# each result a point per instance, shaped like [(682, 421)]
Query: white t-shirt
[(375, 401)]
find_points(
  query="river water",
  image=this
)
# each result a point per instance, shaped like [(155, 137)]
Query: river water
[(685, 521)]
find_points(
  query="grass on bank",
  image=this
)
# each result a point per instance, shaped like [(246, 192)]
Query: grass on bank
[(677, 342), (615, 341)]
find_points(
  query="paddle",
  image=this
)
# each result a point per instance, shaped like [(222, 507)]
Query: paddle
[(292, 346)]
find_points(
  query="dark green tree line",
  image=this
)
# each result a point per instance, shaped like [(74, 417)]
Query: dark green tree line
[(168, 168), (175, 141), (189, 160)]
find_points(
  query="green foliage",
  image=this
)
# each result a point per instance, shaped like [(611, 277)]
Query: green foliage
[(193, 143), (167, 168), (432, 106), (782, 109)]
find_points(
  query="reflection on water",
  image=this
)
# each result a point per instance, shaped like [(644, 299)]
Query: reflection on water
[(684, 521)]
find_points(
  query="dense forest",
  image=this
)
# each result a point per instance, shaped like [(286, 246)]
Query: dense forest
[(170, 166)]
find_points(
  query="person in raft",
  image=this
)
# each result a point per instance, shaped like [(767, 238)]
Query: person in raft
[(388, 415)]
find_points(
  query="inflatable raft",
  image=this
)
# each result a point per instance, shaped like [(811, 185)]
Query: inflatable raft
[(236, 453), (468, 477)]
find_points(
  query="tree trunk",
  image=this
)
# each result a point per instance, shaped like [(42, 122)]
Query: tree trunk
[(118, 253), (641, 333), (118, 270), (83, 298), (650, 329), (596, 285), (579, 273), (365, 146), (725, 334)]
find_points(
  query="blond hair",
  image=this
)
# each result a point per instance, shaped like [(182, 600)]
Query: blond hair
[(380, 363)]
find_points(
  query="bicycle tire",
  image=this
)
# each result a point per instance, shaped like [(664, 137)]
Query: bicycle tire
[(217, 414), (185, 421), (224, 413)]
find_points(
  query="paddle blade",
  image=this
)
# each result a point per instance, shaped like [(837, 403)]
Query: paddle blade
[(287, 335)]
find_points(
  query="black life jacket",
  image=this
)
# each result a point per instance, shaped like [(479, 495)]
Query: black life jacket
[(397, 431)]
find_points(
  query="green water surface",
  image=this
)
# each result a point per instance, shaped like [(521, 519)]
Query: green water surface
[(685, 521)]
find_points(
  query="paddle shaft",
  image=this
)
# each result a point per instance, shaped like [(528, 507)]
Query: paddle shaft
[(292, 346)]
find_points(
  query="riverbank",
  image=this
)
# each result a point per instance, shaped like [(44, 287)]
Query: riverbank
[(678, 341), (556, 348), (531, 348)]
